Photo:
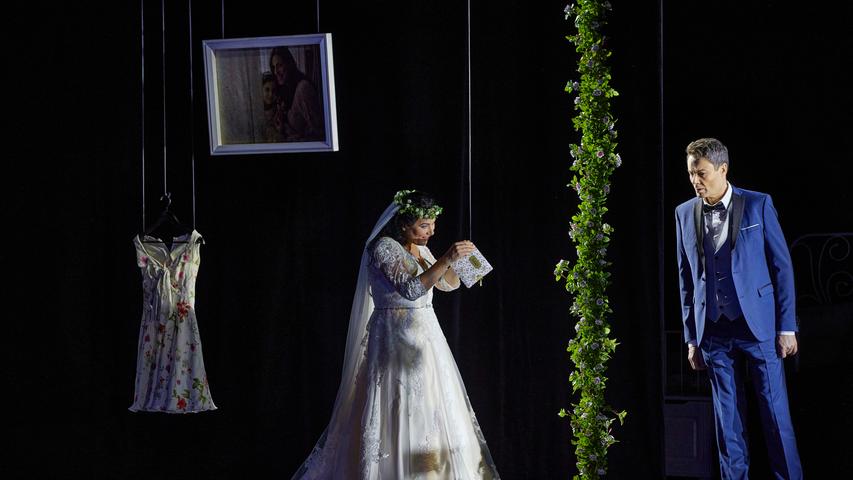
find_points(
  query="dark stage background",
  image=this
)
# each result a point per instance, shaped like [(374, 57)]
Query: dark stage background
[(284, 232)]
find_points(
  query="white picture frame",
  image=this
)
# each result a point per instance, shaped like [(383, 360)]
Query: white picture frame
[(271, 94)]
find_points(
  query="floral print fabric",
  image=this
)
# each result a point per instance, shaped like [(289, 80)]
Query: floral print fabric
[(170, 374)]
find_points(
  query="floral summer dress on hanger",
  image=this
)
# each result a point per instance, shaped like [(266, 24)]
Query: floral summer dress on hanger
[(170, 375)]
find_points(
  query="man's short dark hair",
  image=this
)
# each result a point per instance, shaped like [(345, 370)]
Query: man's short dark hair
[(710, 149)]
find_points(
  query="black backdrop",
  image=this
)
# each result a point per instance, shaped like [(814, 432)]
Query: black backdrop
[(284, 231)]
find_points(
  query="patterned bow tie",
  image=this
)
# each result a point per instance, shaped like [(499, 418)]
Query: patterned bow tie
[(719, 206)]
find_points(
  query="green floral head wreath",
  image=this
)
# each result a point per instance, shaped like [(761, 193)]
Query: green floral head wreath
[(402, 200)]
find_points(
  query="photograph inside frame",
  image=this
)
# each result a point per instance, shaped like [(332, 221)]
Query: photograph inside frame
[(270, 95)]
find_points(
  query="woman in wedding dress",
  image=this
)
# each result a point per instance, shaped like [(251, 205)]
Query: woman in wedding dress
[(401, 411)]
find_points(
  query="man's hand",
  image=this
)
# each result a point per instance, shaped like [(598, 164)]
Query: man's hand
[(786, 345), (694, 357)]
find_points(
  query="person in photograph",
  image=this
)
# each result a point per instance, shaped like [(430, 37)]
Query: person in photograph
[(401, 411), (737, 300), (271, 133), (298, 115)]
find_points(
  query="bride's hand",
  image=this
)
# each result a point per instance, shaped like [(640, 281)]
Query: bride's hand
[(459, 250)]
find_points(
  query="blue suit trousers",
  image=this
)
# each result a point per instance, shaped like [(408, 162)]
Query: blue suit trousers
[(729, 347)]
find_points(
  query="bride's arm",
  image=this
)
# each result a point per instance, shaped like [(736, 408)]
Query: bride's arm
[(451, 279), (448, 281), (437, 272), (448, 276), (390, 259)]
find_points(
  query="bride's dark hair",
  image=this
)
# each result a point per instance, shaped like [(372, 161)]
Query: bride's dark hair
[(394, 228)]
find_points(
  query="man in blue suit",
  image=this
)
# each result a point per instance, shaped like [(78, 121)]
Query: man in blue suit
[(737, 302)]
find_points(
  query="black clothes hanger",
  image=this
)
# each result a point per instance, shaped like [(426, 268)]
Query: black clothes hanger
[(167, 226)]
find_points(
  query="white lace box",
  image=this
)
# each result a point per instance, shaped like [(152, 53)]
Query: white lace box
[(471, 269)]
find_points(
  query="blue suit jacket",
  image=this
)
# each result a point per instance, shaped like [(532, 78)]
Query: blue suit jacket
[(761, 265)]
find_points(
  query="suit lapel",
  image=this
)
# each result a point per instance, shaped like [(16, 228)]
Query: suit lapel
[(737, 215), (700, 230)]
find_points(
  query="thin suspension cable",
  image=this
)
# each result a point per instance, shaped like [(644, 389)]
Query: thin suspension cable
[(142, 100), (222, 18), (192, 105), (661, 194), (470, 149), (318, 16), (163, 35)]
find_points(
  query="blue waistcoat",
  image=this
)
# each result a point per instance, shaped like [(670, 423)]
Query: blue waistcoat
[(720, 293)]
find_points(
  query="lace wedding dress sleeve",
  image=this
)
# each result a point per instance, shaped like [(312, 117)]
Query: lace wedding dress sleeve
[(398, 268)]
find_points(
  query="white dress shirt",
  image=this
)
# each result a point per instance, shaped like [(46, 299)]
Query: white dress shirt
[(716, 218)]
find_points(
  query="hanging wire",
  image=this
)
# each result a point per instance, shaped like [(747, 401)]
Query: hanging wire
[(318, 16), (163, 34), (142, 100), (192, 104), (222, 18), (660, 219), (468, 59), (166, 194)]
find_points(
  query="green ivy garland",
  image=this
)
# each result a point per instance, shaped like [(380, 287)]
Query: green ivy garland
[(595, 159)]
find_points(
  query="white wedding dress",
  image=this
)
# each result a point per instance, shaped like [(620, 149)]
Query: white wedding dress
[(402, 411)]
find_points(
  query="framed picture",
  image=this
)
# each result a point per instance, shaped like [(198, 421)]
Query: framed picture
[(271, 94)]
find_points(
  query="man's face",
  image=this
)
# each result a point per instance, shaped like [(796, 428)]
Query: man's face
[(708, 182)]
